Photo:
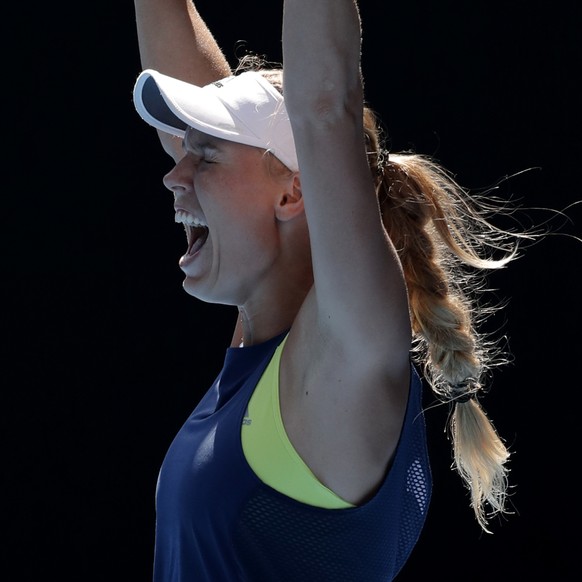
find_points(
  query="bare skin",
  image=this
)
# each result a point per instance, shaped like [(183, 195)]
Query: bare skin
[(309, 253)]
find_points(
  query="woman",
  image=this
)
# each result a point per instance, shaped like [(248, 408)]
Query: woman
[(307, 459)]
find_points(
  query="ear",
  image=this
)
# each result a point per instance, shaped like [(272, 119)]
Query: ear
[(290, 201)]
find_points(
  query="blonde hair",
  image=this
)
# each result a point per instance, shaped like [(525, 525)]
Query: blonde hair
[(445, 243)]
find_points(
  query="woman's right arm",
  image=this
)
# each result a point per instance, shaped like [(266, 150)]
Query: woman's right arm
[(174, 39)]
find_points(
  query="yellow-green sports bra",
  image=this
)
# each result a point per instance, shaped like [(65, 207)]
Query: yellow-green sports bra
[(269, 451)]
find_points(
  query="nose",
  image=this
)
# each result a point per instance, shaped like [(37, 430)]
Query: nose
[(181, 177)]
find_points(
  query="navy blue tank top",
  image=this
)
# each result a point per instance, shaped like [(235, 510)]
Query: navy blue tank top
[(217, 522)]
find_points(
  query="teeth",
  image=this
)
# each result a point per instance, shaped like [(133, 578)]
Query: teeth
[(186, 218)]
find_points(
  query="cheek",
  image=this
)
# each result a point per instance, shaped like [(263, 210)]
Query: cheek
[(247, 240), (239, 216)]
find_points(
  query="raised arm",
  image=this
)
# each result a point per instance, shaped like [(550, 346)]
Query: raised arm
[(360, 290), (174, 39)]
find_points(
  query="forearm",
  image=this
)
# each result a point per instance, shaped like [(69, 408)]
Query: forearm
[(175, 40)]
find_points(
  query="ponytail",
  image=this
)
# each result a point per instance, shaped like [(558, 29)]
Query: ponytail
[(445, 243)]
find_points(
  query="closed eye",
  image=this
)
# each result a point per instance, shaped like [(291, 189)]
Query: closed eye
[(203, 148)]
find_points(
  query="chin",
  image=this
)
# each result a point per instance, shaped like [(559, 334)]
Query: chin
[(203, 292), (195, 288)]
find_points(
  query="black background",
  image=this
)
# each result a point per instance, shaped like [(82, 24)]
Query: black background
[(105, 355)]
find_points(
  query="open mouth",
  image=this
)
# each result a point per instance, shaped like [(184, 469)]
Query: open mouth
[(196, 231), (196, 238)]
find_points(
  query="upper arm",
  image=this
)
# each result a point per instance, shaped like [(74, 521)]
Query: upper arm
[(360, 291)]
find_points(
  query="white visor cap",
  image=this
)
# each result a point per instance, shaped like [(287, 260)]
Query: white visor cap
[(243, 108)]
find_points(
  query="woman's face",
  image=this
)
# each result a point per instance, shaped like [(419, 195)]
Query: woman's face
[(225, 196)]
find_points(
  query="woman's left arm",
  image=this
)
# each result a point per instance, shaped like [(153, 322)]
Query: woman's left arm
[(360, 292)]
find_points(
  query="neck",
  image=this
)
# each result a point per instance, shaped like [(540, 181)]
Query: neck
[(274, 310), (255, 326)]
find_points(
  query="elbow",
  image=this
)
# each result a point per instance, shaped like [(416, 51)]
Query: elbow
[(325, 102)]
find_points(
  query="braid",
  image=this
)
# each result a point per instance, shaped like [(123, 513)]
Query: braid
[(445, 242)]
